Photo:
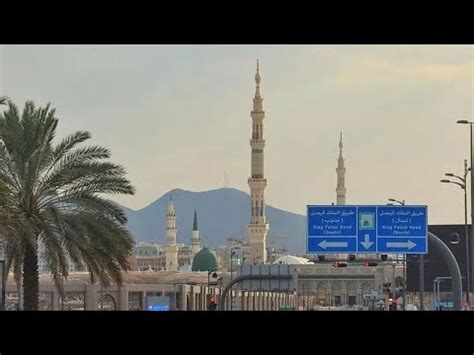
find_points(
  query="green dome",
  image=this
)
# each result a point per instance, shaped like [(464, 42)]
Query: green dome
[(204, 260)]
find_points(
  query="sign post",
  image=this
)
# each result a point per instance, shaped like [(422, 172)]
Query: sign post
[(367, 229)]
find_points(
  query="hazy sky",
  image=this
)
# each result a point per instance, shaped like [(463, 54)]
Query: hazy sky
[(179, 116)]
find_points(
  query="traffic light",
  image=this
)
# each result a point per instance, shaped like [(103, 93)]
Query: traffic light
[(384, 257), (370, 263), (393, 305), (339, 264), (212, 306), (386, 287)]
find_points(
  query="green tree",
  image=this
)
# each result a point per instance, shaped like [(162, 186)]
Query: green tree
[(4, 216), (54, 197)]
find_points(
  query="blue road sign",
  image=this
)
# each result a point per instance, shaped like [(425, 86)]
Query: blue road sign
[(158, 303), (158, 307), (367, 229)]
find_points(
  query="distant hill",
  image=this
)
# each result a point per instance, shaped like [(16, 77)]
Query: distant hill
[(222, 213)]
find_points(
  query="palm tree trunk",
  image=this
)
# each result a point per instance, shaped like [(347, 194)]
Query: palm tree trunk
[(30, 279)]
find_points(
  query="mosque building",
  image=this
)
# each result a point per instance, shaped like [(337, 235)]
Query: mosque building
[(171, 256)]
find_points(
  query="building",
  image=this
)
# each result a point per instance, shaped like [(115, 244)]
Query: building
[(258, 226), (43, 267), (342, 287), (454, 236), (240, 251), (147, 249), (184, 292), (156, 261), (171, 249), (171, 256), (341, 177)]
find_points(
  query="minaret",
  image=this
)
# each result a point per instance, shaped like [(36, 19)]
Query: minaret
[(341, 172), (258, 226), (171, 249), (195, 241)]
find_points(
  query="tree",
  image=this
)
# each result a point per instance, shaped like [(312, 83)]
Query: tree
[(54, 197)]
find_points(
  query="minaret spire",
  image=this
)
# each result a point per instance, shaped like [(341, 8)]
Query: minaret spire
[(341, 172), (195, 240), (257, 101), (340, 145), (258, 226), (195, 222)]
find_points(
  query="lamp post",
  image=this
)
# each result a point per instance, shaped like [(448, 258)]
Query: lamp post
[(214, 275), (232, 272), (463, 186), (403, 203), (244, 257), (470, 123)]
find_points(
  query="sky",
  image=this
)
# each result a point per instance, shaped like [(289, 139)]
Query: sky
[(179, 116)]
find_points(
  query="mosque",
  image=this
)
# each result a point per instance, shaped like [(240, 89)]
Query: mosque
[(332, 286), (179, 257)]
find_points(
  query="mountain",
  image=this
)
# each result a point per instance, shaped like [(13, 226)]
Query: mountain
[(222, 213)]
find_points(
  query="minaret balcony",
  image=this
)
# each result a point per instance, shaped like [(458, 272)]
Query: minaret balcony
[(257, 143), (258, 114), (257, 182)]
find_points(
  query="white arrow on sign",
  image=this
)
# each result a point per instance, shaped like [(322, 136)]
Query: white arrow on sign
[(367, 243), (325, 244), (407, 245)]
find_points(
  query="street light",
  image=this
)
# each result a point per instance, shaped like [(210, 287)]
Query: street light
[(214, 275), (232, 271), (403, 203), (397, 201), (463, 186), (470, 123), (232, 254), (244, 257)]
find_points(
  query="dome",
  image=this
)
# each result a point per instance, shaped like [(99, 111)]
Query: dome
[(204, 260), (291, 260)]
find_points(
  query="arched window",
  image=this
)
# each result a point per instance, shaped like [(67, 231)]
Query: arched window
[(107, 303)]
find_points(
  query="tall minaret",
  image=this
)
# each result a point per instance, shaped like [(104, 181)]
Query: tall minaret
[(341, 172), (195, 241), (258, 226), (171, 249)]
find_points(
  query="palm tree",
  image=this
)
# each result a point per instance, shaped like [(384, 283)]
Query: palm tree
[(3, 215), (54, 197)]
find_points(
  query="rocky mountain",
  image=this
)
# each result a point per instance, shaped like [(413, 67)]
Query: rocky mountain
[(222, 214)]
